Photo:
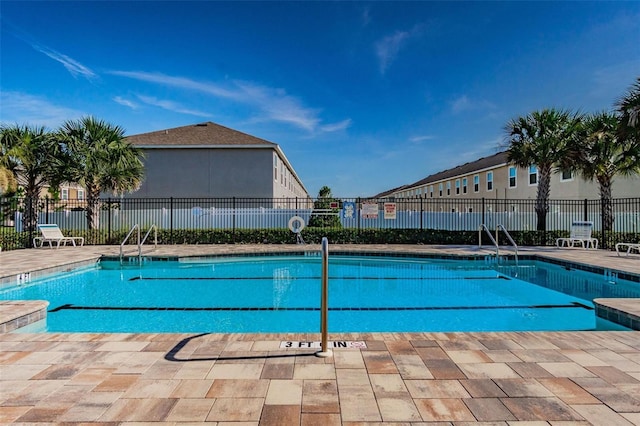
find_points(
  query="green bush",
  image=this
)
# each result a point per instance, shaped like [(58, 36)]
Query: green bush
[(11, 240)]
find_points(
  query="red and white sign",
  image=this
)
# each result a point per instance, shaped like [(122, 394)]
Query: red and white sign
[(369, 211), (390, 211)]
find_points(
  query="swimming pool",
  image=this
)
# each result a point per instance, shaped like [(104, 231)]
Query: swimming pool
[(282, 294)]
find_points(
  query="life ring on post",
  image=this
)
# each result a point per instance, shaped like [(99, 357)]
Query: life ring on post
[(296, 224)]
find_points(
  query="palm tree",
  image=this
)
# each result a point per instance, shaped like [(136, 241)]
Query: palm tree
[(541, 138), (101, 161), (629, 110), (601, 154), (31, 154)]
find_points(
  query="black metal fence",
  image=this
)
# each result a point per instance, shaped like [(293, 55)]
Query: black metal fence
[(117, 215)]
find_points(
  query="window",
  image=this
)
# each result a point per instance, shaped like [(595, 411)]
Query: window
[(469, 209), (80, 194), (64, 194), (566, 175), (464, 185), (512, 177), (448, 188), (281, 173), (440, 189), (431, 191), (533, 175), (489, 181), (476, 183), (275, 167), (457, 186)]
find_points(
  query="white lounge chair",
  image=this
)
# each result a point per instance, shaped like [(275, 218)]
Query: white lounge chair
[(580, 234), (630, 247), (51, 233)]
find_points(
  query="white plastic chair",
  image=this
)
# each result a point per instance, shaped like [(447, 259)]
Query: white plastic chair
[(580, 234), (51, 233), (630, 247)]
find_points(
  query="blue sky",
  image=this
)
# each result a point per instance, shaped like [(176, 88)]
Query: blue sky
[(361, 96)]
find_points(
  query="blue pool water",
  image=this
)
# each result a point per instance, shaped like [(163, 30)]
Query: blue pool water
[(282, 294)]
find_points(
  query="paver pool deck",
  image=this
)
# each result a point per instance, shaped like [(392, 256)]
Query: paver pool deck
[(506, 378)]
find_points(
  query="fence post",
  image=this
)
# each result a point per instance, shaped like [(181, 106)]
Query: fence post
[(171, 219), (46, 209), (483, 207), (109, 236), (421, 212), (358, 214), (233, 233), (602, 224), (586, 212)]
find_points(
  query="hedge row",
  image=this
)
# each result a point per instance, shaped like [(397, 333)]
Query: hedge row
[(12, 240)]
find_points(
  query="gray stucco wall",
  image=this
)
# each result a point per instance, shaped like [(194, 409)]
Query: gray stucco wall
[(200, 172)]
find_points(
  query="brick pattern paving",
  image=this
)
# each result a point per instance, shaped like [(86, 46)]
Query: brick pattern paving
[(419, 378)]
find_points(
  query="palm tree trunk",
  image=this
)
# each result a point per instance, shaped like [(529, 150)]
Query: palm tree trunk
[(606, 200), (30, 214), (93, 208), (542, 199)]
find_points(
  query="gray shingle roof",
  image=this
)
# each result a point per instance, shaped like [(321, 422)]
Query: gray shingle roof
[(464, 169), (202, 134), (390, 191)]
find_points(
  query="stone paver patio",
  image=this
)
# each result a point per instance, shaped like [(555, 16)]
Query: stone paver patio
[(524, 378)]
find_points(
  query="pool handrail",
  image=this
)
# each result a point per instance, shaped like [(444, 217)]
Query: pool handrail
[(133, 228), (324, 352), (495, 240), (155, 237), (495, 244), (139, 242), (513, 243)]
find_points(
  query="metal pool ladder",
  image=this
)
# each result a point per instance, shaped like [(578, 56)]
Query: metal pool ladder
[(140, 242), (495, 240)]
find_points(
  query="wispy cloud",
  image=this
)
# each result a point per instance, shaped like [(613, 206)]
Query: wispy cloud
[(388, 47), (460, 104), (22, 108), (171, 106), (335, 127), (272, 104), (74, 67), (126, 102), (464, 103), (180, 82), (418, 139), (277, 105)]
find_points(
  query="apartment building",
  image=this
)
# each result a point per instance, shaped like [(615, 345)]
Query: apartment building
[(493, 177), (208, 160)]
